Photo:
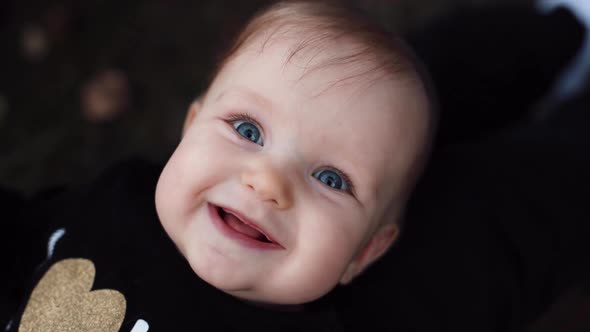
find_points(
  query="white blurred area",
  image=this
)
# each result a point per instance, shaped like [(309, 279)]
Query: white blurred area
[(576, 75)]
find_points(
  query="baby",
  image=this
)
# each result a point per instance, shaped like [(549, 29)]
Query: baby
[(291, 178), (296, 164)]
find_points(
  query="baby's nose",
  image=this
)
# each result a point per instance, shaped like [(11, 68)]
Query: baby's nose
[(270, 185)]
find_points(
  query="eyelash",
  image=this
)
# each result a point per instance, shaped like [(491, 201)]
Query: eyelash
[(244, 116)]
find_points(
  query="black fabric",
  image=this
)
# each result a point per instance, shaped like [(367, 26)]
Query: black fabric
[(113, 223), (10, 204), (23, 243), (490, 66)]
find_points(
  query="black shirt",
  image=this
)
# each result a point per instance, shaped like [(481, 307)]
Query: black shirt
[(107, 236)]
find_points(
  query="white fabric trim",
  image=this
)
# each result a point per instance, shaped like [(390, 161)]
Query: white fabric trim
[(140, 326), (53, 239), (571, 80)]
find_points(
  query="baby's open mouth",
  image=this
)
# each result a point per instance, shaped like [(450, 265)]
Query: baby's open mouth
[(242, 226)]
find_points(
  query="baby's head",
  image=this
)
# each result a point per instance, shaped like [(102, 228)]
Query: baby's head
[(296, 164)]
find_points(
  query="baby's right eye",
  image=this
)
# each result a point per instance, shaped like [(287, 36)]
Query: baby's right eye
[(247, 128), (334, 179)]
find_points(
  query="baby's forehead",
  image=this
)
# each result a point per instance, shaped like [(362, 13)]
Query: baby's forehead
[(314, 51)]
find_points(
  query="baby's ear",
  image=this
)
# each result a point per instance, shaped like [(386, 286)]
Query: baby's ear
[(381, 241), (190, 116)]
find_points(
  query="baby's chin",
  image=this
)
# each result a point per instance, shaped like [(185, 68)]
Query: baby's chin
[(269, 293), (264, 298), (279, 295)]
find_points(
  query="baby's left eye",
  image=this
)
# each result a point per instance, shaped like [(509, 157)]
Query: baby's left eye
[(246, 127), (333, 179)]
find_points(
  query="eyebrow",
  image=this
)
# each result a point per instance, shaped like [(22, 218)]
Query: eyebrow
[(247, 95)]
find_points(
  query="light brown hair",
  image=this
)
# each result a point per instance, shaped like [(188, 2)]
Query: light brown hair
[(317, 23)]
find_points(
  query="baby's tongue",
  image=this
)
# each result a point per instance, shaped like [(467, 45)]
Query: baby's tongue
[(240, 227)]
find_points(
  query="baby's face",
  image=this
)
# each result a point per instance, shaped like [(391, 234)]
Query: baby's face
[(282, 181)]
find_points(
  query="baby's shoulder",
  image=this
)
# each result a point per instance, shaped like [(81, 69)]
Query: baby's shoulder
[(113, 207)]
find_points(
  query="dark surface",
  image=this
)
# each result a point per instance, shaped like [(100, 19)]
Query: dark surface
[(491, 66)]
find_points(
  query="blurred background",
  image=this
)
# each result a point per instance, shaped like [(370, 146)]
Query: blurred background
[(84, 84)]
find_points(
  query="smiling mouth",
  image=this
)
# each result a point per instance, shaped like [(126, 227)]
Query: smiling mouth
[(242, 229), (240, 226)]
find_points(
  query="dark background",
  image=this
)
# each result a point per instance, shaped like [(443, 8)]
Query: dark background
[(164, 49)]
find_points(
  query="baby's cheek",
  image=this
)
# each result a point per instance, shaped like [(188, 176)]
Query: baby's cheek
[(330, 244), (203, 162), (183, 179)]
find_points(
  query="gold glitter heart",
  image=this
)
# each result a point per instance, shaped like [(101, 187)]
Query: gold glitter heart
[(62, 301)]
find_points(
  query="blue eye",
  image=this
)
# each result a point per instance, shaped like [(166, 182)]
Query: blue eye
[(249, 131), (333, 179)]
